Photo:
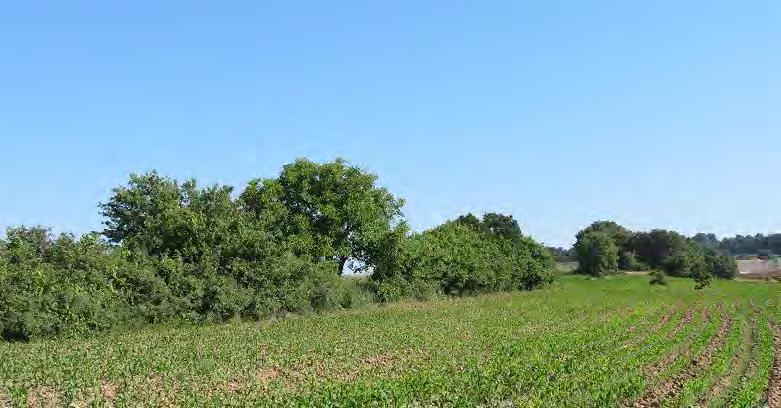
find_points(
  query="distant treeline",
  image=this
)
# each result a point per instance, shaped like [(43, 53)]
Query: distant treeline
[(758, 245), (743, 245), (174, 250), (605, 247)]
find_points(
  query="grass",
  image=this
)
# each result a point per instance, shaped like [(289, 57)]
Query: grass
[(580, 342)]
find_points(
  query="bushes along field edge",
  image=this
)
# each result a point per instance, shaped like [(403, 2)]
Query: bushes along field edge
[(174, 250)]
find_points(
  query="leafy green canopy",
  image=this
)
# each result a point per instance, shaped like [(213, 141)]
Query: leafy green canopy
[(329, 211), (597, 253), (465, 256)]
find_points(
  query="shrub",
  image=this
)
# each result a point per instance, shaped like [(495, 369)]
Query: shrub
[(658, 278), (357, 292), (722, 266), (597, 254), (51, 286), (397, 288), (44, 300), (460, 258), (627, 261)]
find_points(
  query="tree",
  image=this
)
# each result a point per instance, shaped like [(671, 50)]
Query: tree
[(494, 224), (752, 245), (621, 236), (721, 265), (628, 262), (708, 241), (162, 217), (504, 226), (27, 245), (470, 221), (330, 211), (655, 247), (457, 258), (597, 253), (701, 275)]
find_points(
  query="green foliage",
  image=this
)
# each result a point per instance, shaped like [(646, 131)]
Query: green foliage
[(721, 265), (465, 256), (745, 245), (627, 261), (161, 217), (655, 247), (53, 285), (329, 211), (681, 263), (658, 278), (178, 251), (502, 226), (597, 253), (618, 234), (703, 279), (578, 343), (397, 288), (668, 251), (562, 255)]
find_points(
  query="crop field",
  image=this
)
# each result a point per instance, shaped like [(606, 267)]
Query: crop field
[(617, 341)]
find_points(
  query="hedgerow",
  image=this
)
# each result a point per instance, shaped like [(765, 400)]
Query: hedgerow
[(175, 250)]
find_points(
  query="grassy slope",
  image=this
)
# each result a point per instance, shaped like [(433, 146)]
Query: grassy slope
[(578, 343)]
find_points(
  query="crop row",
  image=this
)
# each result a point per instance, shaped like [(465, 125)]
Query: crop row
[(581, 342)]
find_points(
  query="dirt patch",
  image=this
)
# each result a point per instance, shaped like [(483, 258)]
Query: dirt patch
[(267, 375), (157, 386), (655, 396), (109, 391), (5, 400), (751, 368), (233, 386), (758, 267), (774, 389), (44, 397), (379, 359)]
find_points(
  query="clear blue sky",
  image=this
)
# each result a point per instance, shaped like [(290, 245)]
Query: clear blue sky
[(654, 114)]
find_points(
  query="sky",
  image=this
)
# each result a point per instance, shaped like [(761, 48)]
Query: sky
[(663, 114)]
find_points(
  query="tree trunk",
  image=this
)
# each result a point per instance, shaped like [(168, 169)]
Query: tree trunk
[(342, 262)]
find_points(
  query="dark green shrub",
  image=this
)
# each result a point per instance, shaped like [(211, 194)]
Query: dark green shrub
[(658, 278), (43, 300), (397, 288), (627, 261), (389, 289), (459, 258), (357, 292), (722, 266), (597, 254)]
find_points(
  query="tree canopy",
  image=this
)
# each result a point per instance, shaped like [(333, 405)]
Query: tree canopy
[(329, 211)]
